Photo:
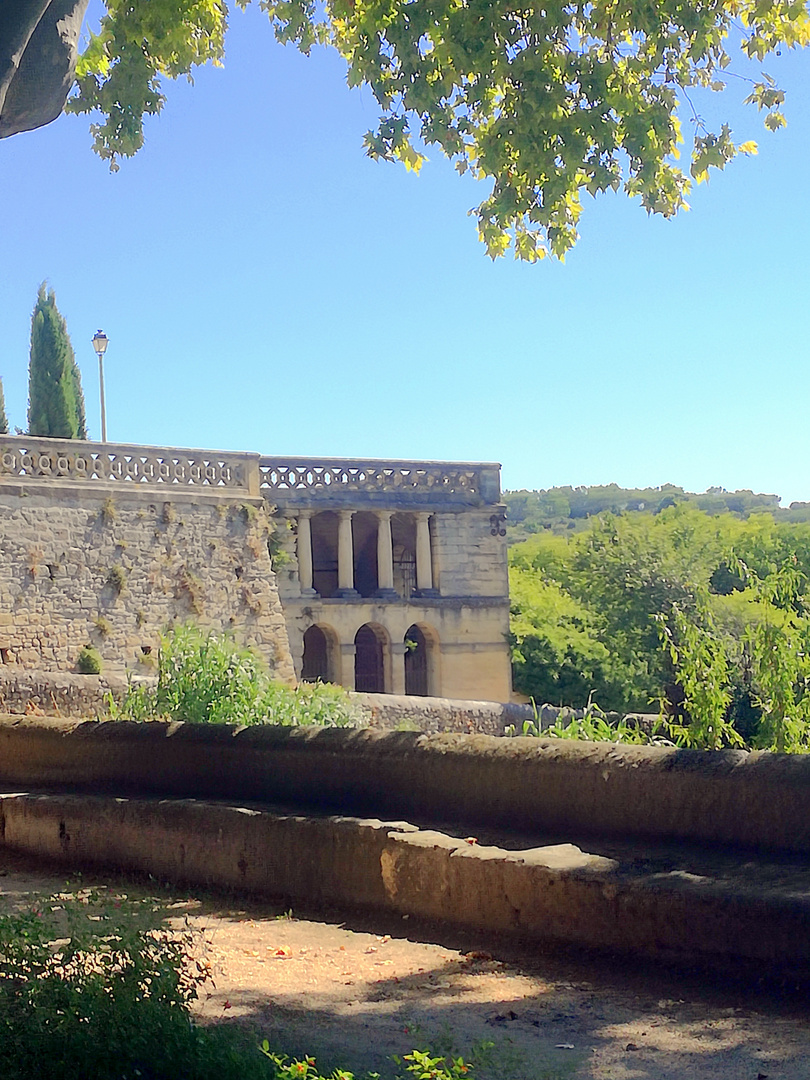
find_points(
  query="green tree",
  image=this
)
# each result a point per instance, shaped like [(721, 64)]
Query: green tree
[(55, 398), (545, 101)]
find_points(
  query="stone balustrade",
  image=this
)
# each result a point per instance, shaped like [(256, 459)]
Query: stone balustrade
[(325, 482), (34, 460)]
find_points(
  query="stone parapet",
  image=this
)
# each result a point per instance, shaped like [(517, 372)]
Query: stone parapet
[(349, 482), (558, 787), (35, 461)]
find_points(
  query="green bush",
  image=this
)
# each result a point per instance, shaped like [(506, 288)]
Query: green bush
[(208, 678), (88, 661), (89, 990), (96, 985)]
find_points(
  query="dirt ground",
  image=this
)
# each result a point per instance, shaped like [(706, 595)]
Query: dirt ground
[(356, 991)]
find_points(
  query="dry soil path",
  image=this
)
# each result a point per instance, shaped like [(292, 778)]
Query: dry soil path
[(357, 992)]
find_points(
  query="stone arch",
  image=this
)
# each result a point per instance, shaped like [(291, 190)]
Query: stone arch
[(421, 661), (321, 654), (371, 659)]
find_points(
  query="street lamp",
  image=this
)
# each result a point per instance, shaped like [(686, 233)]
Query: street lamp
[(100, 345)]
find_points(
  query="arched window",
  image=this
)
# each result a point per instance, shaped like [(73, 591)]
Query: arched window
[(316, 667), (369, 661), (417, 659)]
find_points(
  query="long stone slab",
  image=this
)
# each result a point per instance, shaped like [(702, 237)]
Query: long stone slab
[(731, 909)]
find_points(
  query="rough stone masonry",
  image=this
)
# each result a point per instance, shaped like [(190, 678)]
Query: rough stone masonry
[(115, 569)]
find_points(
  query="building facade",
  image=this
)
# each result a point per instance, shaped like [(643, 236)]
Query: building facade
[(392, 575)]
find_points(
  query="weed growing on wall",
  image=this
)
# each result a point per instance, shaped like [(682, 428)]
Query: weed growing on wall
[(88, 661), (117, 578), (208, 678)]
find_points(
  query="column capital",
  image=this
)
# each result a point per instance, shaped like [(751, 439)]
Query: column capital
[(307, 514)]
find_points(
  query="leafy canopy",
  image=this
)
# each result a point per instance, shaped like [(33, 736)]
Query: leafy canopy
[(545, 99)]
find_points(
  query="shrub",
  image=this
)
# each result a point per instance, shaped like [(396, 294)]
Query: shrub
[(92, 990), (208, 678), (89, 661)]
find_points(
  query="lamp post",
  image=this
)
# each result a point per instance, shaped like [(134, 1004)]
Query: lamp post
[(100, 345)]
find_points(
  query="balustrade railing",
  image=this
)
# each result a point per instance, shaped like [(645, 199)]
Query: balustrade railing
[(71, 460), (283, 480), (339, 481)]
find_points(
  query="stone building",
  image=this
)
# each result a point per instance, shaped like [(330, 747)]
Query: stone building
[(393, 575), (386, 576)]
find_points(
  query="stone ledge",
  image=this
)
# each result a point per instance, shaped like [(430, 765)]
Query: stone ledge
[(759, 913)]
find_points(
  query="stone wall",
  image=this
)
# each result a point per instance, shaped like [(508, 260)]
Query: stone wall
[(429, 714), (554, 786), (468, 559), (114, 567)]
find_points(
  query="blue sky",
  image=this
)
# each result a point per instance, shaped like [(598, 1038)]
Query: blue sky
[(266, 287)]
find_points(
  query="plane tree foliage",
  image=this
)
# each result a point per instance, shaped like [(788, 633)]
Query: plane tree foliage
[(547, 100), (707, 617)]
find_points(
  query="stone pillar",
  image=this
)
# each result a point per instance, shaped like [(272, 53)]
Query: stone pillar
[(385, 557), (347, 654), (304, 552), (398, 650), (345, 556), (424, 566)]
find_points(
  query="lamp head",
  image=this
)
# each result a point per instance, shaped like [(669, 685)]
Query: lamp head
[(100, 342)]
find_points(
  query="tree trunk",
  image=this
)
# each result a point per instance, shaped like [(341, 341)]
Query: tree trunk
[(39, 42)]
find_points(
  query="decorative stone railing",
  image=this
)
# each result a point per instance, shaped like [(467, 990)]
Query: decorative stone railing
[(345, 481), (37, 460)]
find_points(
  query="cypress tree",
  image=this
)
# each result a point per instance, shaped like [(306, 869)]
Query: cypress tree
[(55, 398), (3, 420)]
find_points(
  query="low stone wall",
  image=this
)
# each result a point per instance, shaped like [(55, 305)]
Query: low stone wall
[(557, 892), (544, 786), (428, 714), (25, 692), (53, 693)]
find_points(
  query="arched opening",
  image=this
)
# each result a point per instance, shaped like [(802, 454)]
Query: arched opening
[(369, 661), (419, 662), (324, 529), (364, 544), (316, 665), (403, 539)]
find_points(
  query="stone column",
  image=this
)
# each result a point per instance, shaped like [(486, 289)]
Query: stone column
[(304, 552), (398, 650), (345, 556), (385, 557), (424, 566), (347, 654)]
